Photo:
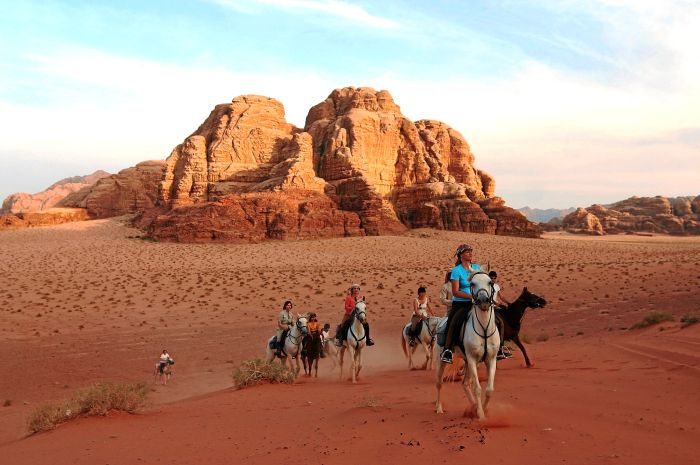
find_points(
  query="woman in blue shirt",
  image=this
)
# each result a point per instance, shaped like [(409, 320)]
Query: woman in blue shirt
[(461, 296)]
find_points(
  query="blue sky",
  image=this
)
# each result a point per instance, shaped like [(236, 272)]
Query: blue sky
[(566, 103)]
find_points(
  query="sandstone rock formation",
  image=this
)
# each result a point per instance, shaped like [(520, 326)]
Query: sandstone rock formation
[(51, 196), (46, 217), (658, 214), (132, 190), (358, 167)]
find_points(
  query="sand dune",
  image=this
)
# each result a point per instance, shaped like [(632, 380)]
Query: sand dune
[(91, 301)]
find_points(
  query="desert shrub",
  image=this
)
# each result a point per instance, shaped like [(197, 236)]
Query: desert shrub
[(526, 338), (687, 320), (259, 371), (652, 319), (542, 337), (7, 403), (94, 400)]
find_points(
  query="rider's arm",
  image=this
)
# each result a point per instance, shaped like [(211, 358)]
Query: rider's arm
[(430, 309), (349, 304), (444, 294), (457, 293), (415, 307)]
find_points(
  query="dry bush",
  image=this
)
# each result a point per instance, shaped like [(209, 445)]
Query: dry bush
[(687, 320), (542, 337), (258, 371), (652, 319), (94, 400)]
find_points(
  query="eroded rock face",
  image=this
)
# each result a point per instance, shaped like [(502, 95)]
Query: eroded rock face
[(256, 217), (357, 156), (48, 217), (658, 215), (131, 190), (23, 202)]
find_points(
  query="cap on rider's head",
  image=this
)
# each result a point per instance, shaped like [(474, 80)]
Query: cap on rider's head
[(463, 248), (355, 286)]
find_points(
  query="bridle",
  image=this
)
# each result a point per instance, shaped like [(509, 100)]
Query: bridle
[(303, 329), (480, 300), (357, 311)]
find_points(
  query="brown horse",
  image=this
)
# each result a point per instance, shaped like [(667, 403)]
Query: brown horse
[(311, 352), (509, 318)]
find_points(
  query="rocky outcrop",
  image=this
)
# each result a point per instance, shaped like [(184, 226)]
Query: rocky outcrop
[(132, 190), (358, 167), (48, 217), (658, 215), (254, 217), (23, 202)]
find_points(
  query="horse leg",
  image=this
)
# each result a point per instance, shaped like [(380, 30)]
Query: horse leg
[(359, 362), (438, 386), (472, 377), (340, 361), (427, 355), (491, 370), (520, 345), (316, 367), (411, 350)]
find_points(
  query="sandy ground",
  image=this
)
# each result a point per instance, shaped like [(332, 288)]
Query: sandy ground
[(87, 302)]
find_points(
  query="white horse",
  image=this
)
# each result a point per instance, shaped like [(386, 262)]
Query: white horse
[(292, 345), (426, 337), (355, 340), (481, 340)]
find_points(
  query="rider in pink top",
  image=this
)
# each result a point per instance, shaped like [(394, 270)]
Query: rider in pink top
[(350, 300)]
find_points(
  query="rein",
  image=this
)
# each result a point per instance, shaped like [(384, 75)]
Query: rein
[(355, 314)]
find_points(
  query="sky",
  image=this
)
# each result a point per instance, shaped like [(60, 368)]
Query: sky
[(566, 103)]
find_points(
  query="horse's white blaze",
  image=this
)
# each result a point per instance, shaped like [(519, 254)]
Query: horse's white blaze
[(355, 341), (481, 341), (426, 339), (292, 345)]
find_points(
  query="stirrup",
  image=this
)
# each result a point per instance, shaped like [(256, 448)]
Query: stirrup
[(446, 356), (412, 342), (370, 342)]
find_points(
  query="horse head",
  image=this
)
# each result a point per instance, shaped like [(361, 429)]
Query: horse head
[(361, 310), (302, 324), (533, 300), (482, 289)]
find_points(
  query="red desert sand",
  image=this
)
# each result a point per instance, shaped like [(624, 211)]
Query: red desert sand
[(87, 302)]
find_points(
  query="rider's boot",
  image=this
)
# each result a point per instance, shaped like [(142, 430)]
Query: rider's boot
[(370, 342), (278, 350)]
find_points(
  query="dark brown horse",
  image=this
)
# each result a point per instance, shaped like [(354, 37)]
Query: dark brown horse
[(311, 352), (510, 318)]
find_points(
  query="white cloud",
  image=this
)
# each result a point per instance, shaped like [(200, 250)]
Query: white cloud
[(334, 8)]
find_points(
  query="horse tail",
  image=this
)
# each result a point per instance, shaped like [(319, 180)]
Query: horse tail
[(403, 345)]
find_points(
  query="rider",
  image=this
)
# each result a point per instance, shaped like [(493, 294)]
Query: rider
[(285, 320), (462, 298), (325, 337), (446, 292), (313, 325), (350, 301), (501, 304), (421, 309), (164, 361)]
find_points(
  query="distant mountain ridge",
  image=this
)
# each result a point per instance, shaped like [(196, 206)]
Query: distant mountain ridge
[(22, 202), (540, 215)]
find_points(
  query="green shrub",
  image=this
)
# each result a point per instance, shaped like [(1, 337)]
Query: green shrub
[(687, 320), (94, 400), (258, 371), (652, 319)]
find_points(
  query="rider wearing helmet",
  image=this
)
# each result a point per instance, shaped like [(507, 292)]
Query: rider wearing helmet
[(351, 300), (461, 296), (285, 320)]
